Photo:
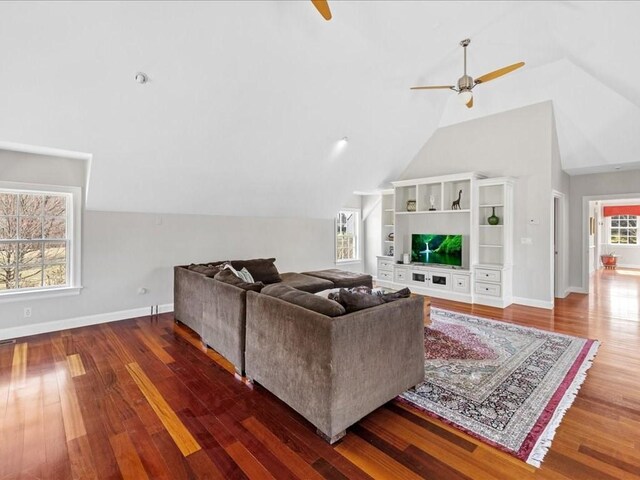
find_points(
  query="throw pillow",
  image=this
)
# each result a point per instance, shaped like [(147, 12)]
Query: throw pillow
[(262, 269), (391, 297), (206, 270), (227, 276), (354, 301), (306, 300)]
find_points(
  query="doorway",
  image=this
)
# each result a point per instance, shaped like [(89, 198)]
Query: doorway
[(558, 250), (609, 228)]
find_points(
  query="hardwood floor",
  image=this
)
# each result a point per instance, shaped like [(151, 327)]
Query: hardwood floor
[(143, 398)]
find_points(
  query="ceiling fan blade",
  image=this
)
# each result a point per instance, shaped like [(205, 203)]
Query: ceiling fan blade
[(433, 87), (469, 104), (323, 7), (498, 73)]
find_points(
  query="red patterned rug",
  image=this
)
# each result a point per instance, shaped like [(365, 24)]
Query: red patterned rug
[(504, 384)]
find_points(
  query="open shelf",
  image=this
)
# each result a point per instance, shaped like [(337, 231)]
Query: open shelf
[(490, 246), (491, 226)]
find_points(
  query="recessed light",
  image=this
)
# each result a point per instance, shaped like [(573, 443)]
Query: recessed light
[(141, 78), (345, 139)]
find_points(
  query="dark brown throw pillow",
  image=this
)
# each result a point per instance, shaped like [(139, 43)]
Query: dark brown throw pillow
[(261, 269), (306, 300), (206, 270), (354, 301), (227, 276), (392, 297)]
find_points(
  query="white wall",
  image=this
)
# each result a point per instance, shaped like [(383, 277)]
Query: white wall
[(122, 252), (516, 143), (125, 251), (593, 187)]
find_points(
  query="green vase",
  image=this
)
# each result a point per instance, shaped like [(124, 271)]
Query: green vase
[(493, 220)]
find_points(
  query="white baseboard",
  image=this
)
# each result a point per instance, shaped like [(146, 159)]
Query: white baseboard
[(628, 265), (530, 302), (576, 290), (57, 325)]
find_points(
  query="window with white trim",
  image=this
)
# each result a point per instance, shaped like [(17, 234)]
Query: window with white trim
[(37, 240), (347, 222), (623, 230)]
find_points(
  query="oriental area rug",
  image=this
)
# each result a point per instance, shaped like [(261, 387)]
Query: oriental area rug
[(504, 384)]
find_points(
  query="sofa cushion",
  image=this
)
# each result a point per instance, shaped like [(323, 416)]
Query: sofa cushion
[(343, 278), (207, 270), (262, 269), (305, 283), (227, 276), (304, 299), (354, 301)]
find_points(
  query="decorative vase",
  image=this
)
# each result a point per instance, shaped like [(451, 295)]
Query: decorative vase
[(493, 219), (411, 205)]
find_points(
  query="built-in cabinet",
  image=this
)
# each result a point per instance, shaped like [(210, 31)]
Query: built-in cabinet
[(459, 204)]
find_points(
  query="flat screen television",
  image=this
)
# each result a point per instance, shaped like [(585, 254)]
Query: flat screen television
[(436, 249)]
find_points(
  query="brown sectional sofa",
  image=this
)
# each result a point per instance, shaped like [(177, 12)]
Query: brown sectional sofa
[(331, 367), (216, 310)]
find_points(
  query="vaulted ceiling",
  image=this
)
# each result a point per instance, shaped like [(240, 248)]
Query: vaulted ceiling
[(247, 100)]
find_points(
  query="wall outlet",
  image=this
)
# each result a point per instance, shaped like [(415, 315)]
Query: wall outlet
[(533, 221), (526, 241), (27, 312)]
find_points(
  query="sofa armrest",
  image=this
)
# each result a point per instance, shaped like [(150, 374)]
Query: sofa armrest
[(288, 351), (377, 354), (187, 297), (223, 320)]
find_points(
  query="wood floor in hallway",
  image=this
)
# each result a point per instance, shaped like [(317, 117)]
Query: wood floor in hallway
[(143, 398)]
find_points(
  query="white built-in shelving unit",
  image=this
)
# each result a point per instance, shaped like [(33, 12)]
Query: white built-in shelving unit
[(426, 205)]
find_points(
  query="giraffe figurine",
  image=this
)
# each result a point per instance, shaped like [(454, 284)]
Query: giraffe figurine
[(456, 203)]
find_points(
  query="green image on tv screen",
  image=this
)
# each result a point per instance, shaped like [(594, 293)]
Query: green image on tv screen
[(437, 249)]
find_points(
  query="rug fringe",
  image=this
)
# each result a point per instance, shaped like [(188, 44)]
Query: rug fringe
[(543, 444)]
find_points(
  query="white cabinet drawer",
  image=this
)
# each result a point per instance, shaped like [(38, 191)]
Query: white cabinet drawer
[(385, 264), (488, 275), (461, 283), (401, 275), (385, 275), (488, 289)]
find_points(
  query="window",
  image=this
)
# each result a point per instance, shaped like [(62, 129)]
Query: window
[(39, 243), (624, 230), (347, 236)]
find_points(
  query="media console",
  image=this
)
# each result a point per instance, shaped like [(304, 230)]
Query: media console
[(445, 282)]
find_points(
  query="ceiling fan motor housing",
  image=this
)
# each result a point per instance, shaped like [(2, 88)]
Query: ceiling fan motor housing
[(465, 83)]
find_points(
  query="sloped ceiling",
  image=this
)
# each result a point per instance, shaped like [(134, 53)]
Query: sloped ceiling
[(247, 100)]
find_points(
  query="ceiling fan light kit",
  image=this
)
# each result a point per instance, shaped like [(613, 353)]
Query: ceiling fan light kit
[(466, 83)]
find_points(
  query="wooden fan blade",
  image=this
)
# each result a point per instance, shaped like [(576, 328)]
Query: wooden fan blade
[(469, 104), (432, 87), (323, 7), (498, 73)]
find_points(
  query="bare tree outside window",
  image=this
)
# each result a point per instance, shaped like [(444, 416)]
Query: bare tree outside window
[(347, 235), (33, 240), (624, 230)]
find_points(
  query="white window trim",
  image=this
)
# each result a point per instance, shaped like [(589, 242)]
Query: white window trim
[(335, 239), (621, 245), (74, 225)]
